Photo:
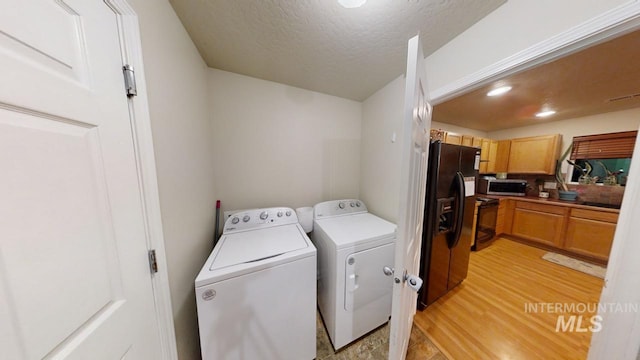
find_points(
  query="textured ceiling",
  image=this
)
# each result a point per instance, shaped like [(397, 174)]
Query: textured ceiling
[(318, 44), (599, 79)]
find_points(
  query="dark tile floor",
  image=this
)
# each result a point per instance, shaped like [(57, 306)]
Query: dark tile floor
[(375, 346)]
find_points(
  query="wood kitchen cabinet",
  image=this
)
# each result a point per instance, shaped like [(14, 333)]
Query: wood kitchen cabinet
[(467, 140), (503, 149), (491, 156), (590, 233), (453, 138), (577, 230), (530, 155), (494, 156), (534, 155), (485, 148), (498, 160), (504, 217), (539, 223), (448, 137)]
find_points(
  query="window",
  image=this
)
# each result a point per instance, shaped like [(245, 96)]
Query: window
[(600, 170), (602, 158)]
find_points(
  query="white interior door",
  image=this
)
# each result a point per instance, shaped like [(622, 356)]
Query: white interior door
[(415, 143), (74, 276)]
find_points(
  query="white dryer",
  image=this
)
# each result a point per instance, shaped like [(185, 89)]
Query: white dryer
[(256, 293), (354, 295)]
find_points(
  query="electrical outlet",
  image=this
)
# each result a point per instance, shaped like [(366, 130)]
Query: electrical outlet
[(550, 185)]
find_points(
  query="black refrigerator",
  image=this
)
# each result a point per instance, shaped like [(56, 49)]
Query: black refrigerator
[(448, 219)]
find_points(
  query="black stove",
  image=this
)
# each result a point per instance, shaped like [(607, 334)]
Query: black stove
[(485, 223)]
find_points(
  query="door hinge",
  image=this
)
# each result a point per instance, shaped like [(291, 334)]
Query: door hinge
[(153, 263), (129, 80)]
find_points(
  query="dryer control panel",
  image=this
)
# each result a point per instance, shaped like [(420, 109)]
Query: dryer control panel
[(260, 218), (338, 207)]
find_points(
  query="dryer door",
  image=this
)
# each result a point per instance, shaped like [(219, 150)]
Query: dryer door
[(364, 280)]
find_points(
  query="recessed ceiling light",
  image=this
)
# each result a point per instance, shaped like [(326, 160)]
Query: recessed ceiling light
[(545, 113), (349, 4), (499, 91)]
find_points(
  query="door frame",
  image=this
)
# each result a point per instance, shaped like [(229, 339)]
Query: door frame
[(131, 52), (619, 337)]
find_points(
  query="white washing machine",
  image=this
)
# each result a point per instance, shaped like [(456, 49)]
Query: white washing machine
[(354, 295), (256, 293)]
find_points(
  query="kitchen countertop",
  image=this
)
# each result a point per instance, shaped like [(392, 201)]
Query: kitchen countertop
[(574, 204)]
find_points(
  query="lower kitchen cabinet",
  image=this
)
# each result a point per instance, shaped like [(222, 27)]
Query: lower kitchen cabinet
[(539, 222), (574, 230), (503, 220), (590, 233)]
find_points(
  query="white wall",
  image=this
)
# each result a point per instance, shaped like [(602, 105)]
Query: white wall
[(177, 91), (277, 145), (513, 27), (381, 158)]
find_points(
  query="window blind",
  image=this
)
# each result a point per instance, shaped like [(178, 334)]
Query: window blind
[(604, 146)]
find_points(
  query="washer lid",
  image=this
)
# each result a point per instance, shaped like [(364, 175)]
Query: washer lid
[(254, 245), (352, 229)]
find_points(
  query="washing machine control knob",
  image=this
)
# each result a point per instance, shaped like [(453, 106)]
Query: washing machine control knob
[(246, 218), (358, 203), (235, 220), (264, 215), (353, 204), (288, 213), (341, 205), (280, 213)]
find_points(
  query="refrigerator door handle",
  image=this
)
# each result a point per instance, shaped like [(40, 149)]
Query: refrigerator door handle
[(459, 211)]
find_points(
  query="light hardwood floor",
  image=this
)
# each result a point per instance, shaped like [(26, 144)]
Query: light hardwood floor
[(485, 317)]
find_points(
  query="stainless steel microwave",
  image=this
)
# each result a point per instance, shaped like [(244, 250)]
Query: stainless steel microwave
[(511, 187)]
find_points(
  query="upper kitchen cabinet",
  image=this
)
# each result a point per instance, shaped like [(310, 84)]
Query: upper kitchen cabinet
[(534, 155), (449, 137), (485, 149), (453, 138), (494, 155), (530, 155), (499, 156), (467, 140)]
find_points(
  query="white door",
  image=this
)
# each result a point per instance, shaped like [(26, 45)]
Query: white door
[(415, 143), (74, 276)]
